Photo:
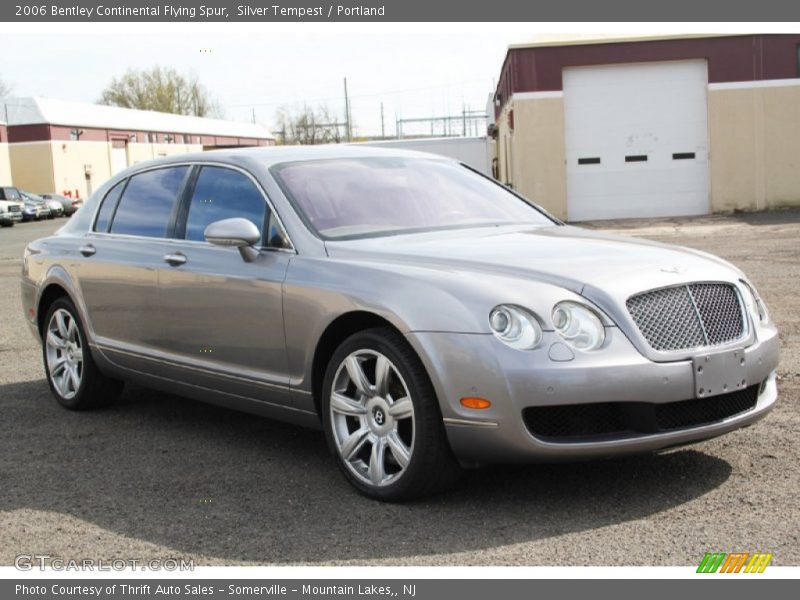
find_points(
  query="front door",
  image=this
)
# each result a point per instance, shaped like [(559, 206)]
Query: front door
[(222, 317)]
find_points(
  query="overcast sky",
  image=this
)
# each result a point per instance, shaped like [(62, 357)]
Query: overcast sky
[(416, 70), (417, 75)]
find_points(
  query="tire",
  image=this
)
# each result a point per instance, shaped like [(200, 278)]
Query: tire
[(397, 450), (65, 350)]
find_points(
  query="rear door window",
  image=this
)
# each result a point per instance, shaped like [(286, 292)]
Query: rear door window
[(148, 202), (222, 193)]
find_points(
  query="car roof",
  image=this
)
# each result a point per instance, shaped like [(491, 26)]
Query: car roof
[(268, 156)]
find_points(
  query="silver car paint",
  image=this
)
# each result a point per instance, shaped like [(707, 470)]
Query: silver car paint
[(248, 340)]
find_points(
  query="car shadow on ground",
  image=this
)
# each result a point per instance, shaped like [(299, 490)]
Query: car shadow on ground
[(209, 481), (769, 217)]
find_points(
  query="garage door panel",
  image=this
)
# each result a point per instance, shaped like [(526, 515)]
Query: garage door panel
[(605, 183), (654, 205), (653, 113)]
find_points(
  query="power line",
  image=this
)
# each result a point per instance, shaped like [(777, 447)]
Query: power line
[(369, 95)]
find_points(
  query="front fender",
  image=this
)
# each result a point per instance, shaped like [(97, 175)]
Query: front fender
[(412, 298)]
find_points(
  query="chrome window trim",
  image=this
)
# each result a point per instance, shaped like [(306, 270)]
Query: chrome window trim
[(264, 195)]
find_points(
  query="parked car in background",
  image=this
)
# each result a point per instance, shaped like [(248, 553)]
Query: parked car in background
[(33, 210), (54, 209), (424, 316), (11, 206), (70, 205)]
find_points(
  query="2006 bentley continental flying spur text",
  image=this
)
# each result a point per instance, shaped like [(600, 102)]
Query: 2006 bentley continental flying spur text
[(426, 317)]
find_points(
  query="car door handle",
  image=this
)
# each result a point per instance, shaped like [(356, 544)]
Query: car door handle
[(87, 250), (176, 259)]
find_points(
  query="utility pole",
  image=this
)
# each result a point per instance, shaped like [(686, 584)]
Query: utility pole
[(254, 115), (383, 130), (348, 130)]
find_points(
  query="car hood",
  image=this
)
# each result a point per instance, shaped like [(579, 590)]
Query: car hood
[(578, 259)]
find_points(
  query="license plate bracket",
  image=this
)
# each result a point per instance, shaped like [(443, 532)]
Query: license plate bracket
[(718, 373)]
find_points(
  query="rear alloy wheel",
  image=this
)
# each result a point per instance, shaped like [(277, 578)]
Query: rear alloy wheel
[(382, 419), (64, 351), (72, 375)]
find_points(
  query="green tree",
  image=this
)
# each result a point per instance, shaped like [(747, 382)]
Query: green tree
[(163, 89)]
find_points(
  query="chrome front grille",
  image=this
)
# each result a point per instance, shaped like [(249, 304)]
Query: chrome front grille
[(13, 208), (688, 316)]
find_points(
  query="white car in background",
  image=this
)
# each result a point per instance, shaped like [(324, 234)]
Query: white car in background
[(10, 206)]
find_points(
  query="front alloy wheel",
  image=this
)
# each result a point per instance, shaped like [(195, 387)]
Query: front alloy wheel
[(373, 417), (382, 419)]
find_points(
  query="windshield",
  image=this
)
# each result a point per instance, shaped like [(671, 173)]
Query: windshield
[(360, 197), (11, 194)]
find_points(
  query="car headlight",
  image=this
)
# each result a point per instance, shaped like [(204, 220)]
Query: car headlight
[(578, 325), (761, 308), (515, 327)]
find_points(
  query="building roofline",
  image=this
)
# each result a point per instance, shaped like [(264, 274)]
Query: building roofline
[(35, 110), (590, 41)]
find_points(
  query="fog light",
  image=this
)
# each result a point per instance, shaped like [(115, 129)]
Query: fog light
[(475, 403)]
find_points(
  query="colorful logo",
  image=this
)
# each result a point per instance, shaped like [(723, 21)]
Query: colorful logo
[(738, 562)]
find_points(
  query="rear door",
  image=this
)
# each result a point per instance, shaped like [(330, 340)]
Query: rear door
[(222, 324), (119, 262)]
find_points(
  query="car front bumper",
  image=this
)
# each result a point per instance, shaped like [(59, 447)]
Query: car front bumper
[(10, 217), (476, 365)]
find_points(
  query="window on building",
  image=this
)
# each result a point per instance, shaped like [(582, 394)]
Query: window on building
[(223, 194), (108, 206), (73, 135), (187, 139), (152, 138), (148, 201)]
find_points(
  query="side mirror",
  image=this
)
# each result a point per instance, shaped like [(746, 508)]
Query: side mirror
[(235, 233)]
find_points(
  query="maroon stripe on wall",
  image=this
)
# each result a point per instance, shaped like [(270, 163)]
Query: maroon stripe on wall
[(734, 58), (45, 132), (28, 133)]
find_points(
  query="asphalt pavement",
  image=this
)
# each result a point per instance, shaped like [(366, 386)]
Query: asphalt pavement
[(156, 476)]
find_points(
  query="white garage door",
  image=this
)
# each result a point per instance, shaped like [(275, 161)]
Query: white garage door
[(636, 140)]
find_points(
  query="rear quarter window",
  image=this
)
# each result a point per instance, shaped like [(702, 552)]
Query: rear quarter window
[(108, 206), (148, 202)]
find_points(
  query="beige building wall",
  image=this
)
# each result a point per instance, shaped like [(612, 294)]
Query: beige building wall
[(536, 153), (754, 140), (755, 146), (76, 167), (80, 167), (5, 166), (32, 166), (141, 152)]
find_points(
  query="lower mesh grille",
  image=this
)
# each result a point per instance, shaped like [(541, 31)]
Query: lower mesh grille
[(577, 422)]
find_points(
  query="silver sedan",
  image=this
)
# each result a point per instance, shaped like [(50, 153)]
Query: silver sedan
[(425, 317)]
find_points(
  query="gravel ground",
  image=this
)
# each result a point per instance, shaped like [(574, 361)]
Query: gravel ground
[(160, 476)]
